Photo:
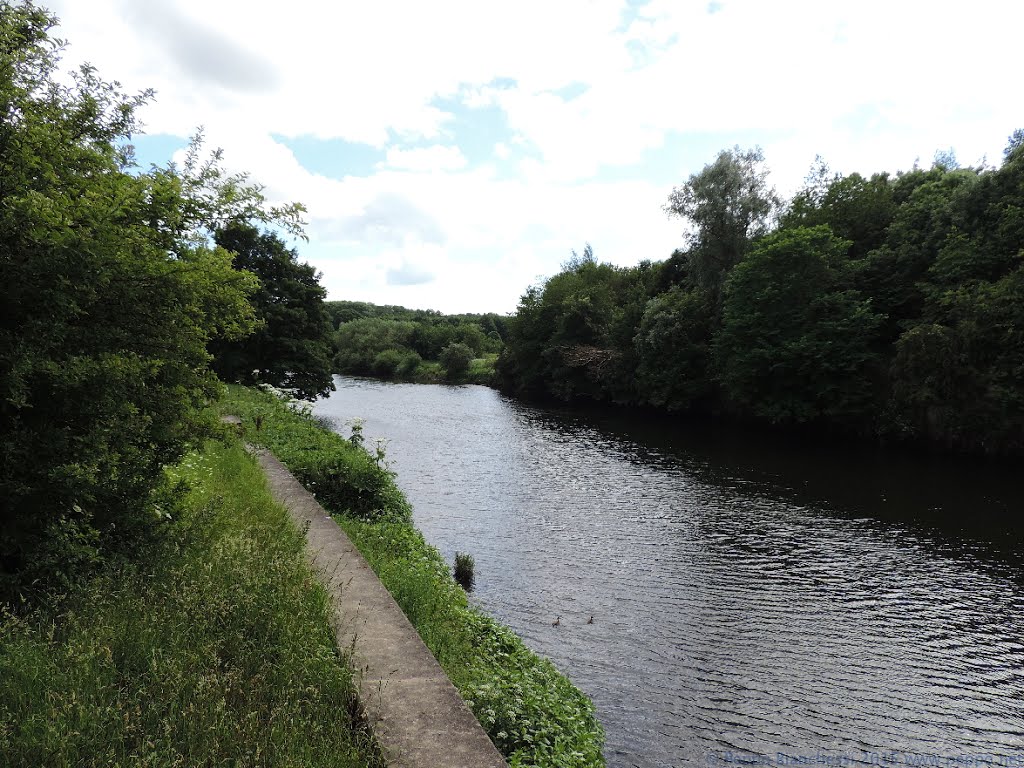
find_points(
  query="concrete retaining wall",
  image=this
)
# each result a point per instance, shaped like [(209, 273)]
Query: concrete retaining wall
[(416, 714)]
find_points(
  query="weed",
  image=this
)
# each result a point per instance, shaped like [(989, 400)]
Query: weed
[(463, 571)]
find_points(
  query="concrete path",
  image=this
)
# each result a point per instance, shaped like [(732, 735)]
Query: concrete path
[(418, 717)]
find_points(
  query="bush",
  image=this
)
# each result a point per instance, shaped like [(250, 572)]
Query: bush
[(455, 359), (341, 474), (410, 365), (387, 364), (463, 571)]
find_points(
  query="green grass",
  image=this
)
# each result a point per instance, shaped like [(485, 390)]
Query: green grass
[(429, 372), (218, 650), (532, 712), (481, 369)]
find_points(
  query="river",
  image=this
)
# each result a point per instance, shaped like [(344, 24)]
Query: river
[(753, 600)]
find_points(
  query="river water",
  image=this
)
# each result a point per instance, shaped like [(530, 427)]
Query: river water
[(753, 602)]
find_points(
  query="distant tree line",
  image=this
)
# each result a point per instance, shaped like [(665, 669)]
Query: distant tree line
[(889, 306), (392, 342)]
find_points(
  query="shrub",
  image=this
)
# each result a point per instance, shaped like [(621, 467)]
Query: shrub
[(455, 358), (410, 364), (386, 364), (339, 472), (463, 571)]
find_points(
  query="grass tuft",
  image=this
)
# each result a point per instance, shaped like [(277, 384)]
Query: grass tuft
[(464, 570)]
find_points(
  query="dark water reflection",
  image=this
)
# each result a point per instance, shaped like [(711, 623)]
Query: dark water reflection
[(747, 597)]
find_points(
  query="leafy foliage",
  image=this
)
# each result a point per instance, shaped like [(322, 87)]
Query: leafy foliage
[(338, 472), (729, 204), (292, 346), (455, 358), (111, 293), (882, 305), (794, 347), (573, 336), (398, 343), (673, 343)]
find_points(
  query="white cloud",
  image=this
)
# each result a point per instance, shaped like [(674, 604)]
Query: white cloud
[(870, 86), (431, 159)]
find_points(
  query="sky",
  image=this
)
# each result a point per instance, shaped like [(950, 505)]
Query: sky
[(450, 154)]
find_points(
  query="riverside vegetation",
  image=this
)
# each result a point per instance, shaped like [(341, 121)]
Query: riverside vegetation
[(155, 607), (424, 346), (531, 712), (216, 647), (889, 306)]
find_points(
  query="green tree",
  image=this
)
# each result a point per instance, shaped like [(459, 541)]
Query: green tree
[(387, 364), (957, 372), (729, 204), (292, 347), (958, 382), (674, 348), (455, 359), (891, 275), (857, 209), (358, 342), (109, 295), (794, 348)]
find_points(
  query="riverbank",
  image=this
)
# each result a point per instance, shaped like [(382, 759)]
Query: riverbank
[(412, 370), (215, 648), (533, 713)]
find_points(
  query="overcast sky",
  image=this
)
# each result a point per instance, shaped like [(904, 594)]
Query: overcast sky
[(452, 153)]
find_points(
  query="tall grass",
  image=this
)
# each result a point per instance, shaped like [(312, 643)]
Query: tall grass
[(481, 370), (532, 712), (218, 650)]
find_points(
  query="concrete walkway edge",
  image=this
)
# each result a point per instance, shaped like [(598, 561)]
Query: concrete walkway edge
[(417, 716)]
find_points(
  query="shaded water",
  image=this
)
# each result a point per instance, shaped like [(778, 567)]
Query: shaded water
[(750, 600)]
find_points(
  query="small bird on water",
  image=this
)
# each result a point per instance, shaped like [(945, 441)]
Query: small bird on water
[(556, 622), (590, 620)]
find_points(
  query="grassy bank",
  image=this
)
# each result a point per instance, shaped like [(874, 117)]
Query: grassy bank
[(533, 714), (217, 650)]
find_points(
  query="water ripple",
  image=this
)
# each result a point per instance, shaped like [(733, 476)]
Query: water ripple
[(744, 601)]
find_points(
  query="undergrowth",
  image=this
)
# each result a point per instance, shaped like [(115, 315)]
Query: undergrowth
[(532, 712), (216, 650)]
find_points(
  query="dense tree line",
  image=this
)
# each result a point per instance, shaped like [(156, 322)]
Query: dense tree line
[(890, 306), (112, 290), (397, 343)]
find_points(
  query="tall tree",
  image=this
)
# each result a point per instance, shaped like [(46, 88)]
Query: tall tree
[(292, 346), (109, 295), (855, 208), (794, 347), (673, 343), (729, 204)]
